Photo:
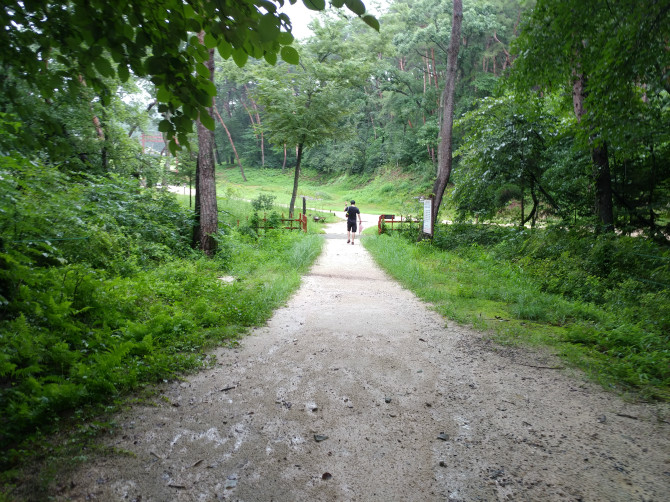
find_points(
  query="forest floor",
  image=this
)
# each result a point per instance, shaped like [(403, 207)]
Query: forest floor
[(356, 390)]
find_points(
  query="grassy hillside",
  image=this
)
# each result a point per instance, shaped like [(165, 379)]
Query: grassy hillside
[(386, 192)]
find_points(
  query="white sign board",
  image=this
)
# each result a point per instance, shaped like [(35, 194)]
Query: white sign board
[(428, 216)]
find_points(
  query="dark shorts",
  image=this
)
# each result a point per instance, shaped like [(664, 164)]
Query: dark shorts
[(351, 225)]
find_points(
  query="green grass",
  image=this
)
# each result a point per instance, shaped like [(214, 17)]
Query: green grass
[(384, 192), (85, 326), (155, 325), (472, 285)]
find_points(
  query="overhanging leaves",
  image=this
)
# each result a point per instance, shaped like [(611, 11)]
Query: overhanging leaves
[(371, 21), (99, 40), (315, 4), (290, 55), (356, 6)]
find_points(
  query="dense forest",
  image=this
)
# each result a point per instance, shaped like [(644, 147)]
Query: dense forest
[(561, 122), (562, 109)]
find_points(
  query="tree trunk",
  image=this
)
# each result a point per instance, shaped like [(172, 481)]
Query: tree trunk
[(432, 52), (444, 152), (536, 204), (149, 107), (217, 155), (578, 96), (251, 119), (426, 75), (206, 207), (532, 216), (258, 123), (601, 168), (196, 207), (652, 187), (190, 182), (230, 138), (295, 181), (603, 184), (523, 205), (283, 166)]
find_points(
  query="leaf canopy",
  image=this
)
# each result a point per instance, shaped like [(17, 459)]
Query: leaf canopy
[(150, 39)]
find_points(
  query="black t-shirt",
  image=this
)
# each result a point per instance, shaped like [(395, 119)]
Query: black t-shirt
[(352, 211)]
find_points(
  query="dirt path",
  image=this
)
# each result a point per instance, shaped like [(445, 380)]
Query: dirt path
[(356, 391)]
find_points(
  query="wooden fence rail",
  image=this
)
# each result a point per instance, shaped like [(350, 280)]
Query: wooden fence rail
[(299, 223), (388, 223)]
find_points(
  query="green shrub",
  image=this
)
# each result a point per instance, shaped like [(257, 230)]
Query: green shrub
[(603, 300), (101, 294)]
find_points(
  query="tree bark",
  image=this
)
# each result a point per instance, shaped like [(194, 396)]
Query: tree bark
[(444, 152), (432, 52), (217, 155), (230, 138), (295, 181), (283, 166), (258, 123), (149, 107), (532, 216), (603, 183), (601, 169), (578, 96), (196, 207), (206, 207)]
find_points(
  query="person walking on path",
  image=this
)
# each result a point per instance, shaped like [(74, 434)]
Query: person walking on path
[(351, 212)]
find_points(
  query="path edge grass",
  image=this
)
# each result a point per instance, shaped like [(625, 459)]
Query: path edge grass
[(446, 281)]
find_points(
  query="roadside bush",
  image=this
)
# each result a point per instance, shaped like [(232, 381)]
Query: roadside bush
[(610, 294), (461, 235), (575, 263), (102, 294), (106, 222)]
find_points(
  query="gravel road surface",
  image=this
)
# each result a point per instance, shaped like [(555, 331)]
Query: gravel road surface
[(357, 391)]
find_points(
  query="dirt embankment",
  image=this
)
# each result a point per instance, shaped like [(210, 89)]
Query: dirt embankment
[(357, 391)]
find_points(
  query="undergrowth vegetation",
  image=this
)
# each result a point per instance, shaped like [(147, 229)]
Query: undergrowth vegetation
[(101, 294), (603, 301)]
